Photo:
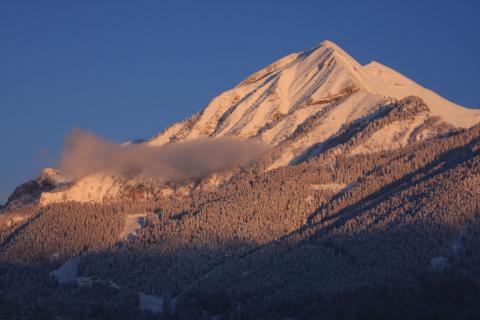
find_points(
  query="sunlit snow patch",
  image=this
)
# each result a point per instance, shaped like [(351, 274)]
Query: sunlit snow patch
[(133, 223)]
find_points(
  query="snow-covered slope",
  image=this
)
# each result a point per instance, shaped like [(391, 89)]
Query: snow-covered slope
[(324, 83), (398, 86), (296, 104), (272, 102)]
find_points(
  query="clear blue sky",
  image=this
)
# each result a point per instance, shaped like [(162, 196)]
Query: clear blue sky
[(127, 69)]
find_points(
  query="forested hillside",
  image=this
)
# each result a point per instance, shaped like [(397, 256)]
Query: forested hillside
[(309, 240), (317, 188)]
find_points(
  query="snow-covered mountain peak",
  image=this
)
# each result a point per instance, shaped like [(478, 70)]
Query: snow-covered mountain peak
[(299, 104), (271, 102), (282, 89), (323, 85)]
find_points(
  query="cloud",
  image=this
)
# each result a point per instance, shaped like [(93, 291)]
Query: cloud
[(85, 153)]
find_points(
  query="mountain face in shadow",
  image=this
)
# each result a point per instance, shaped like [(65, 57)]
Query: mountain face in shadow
[(362, 204)]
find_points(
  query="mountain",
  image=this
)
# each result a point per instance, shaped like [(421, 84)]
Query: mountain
[(364, 203), (295, 105)]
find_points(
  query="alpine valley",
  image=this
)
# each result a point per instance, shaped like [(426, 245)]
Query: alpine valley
[(356, 192)]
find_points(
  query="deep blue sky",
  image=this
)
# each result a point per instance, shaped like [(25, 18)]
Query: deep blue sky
[(127, 69)]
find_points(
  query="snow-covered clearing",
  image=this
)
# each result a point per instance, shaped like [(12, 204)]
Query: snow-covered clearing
[(441, 263), (459, 243), (150, 302), (67, 272), (329, 186), (133, 223)]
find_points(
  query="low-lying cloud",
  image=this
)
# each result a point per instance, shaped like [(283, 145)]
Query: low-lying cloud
[(85, 153)]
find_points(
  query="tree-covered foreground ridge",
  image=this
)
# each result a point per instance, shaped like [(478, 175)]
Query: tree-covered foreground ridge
[(350, 192)]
